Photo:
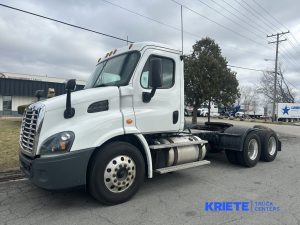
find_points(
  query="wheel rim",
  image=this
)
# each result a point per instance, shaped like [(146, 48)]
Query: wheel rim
[(272, 145), (252, 149), (119, 174)]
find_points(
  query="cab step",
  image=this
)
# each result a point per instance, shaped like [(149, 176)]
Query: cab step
[(179, 144), (181, 167)]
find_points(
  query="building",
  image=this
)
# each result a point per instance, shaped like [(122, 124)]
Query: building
[(19, 89)]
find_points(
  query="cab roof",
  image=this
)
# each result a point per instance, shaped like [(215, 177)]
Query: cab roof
[(138, 46)]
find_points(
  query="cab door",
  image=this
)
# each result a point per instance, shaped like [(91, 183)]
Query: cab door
[(162, 113)]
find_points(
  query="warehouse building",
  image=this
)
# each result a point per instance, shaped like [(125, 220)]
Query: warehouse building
[(19, 89)]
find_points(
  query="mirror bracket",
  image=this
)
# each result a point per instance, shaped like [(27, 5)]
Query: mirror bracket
[(147, 96)]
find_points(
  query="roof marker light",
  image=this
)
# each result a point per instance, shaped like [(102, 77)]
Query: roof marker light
[(130, 45), (99, 59), (110, 53), (115, 51), (107, 54)]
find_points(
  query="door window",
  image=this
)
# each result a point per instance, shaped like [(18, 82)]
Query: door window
[(168, 75)]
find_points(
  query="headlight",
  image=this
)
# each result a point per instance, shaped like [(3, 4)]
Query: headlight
[(58, 143)]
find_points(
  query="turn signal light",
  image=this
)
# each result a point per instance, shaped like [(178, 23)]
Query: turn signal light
[(129, 121)]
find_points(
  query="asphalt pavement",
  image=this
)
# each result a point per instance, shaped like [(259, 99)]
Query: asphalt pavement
[(176, 198)]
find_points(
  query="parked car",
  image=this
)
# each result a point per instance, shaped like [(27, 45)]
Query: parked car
[(204, 111), (240, 114)]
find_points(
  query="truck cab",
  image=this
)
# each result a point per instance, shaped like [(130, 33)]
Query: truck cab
[(126, 124)]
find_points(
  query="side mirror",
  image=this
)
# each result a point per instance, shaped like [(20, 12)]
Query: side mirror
[(155, 73), (39, 94), (71, 85), (155, 81), (69, 111)]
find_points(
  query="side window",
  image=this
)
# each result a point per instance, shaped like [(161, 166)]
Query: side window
[(168, 73)]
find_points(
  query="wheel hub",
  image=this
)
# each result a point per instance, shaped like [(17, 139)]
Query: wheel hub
[(272, 145), (119, 174), (122, 173), (253, 149)]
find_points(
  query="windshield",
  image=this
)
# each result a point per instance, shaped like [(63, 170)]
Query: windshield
[(115, 71)]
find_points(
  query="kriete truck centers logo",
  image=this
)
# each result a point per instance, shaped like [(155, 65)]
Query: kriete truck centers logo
[(241, 206)]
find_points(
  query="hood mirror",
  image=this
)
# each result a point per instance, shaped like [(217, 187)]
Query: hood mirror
[(69, 111)]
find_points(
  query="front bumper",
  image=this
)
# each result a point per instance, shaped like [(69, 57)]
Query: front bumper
[(57, 172)]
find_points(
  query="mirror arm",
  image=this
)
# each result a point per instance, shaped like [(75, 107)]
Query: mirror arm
[(69, 111), (148, 96)]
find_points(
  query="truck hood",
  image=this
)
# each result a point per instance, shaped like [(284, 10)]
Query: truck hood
[(78, 97)]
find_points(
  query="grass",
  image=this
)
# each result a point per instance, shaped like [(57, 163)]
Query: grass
[(9, 143)]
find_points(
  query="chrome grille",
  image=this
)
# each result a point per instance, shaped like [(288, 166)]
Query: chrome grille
[(29, 129)]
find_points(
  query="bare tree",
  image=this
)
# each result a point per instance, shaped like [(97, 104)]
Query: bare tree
[(247, 96), (284, 92)]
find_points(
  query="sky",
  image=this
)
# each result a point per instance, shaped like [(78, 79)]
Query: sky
[(32, 45)]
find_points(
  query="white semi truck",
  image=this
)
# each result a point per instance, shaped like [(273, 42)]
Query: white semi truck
[(127, 124)]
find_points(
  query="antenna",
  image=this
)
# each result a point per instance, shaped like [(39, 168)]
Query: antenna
[(181, 30)]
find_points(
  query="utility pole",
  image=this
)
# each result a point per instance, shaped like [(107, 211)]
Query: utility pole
[(276, 69)]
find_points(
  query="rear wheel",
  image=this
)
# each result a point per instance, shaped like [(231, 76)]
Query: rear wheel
[(116, 173), (251, 150), (269, 145)]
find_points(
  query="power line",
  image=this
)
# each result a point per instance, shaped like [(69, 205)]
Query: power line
[(170, 26), (131, 11), (65, 23), (250, 10), (141, 15), (294, 48), (239, 18), (270, 14), (286, 59), (219, 24), (252, 69), (260, 70), (150, 18), (289, 55), (262, 14), (217, 11), (274, 18), (295, 39), (292, 44), (164, 24), (246, 17)]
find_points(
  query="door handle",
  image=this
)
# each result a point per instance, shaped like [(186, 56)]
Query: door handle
[(175, 116)]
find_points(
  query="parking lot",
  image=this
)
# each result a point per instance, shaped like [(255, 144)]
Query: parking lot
[(176, 198)]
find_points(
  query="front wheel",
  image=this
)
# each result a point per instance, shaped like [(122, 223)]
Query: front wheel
[(251, 150), (116, 173)]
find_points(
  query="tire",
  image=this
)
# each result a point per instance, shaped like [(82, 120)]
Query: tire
[(251, 150), (110, 180), (269, 145), (232, 157)]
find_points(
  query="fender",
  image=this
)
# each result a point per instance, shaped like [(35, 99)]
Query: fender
[(147, 153), (233, 137)]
